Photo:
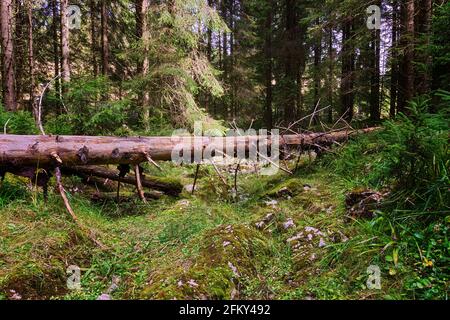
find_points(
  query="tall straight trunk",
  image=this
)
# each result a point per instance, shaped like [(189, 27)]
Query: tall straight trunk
[(8, 75), (209, 36), (330, 74), (374, 101), (348, 67), (105, 40), (56, 57), (394, 61), (231, 62), (268, 114), (406, 85), (31, 56), (20, 43), (94, 46), (317, 64), (422, 56), (291, 64), (65, 51), (142, 7)]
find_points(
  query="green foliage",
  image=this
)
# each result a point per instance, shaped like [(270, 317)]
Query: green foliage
[(416, 157), (89, 111), (440, 45), (20, 122), (410, 158)]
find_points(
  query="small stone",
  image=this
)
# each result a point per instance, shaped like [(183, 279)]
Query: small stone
[(234, 269), (104, 296), (190, 188), (192, 283), (271, 203), (288, 224), (322, 243)]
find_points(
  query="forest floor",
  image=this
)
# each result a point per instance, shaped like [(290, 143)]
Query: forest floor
[(283, 237)]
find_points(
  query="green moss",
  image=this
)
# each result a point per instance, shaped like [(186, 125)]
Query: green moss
[(287, 188)]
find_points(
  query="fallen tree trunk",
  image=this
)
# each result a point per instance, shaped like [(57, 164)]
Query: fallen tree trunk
[(51, 151), (168, 186)]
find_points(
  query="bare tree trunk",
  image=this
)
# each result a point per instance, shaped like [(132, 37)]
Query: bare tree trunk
[(56, 56), (31, 57), (291, 64), (142, 7), (422, 55), (268, 116), (374, 101), (394, 61), (330, 73), (49, 151), (20, 44), (105, 40), (317, 75), (65, 50), (8, 75), (406, 86), (94, 46), (348, 66)]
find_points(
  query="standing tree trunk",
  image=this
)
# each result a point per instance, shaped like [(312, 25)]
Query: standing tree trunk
[(8, 76), (374, 101), (394, 61), (317, 64), (406, 85), (422, 55), (31, 57), (142, 7), (94, 47), (56, 56), (20, 44), (65, 51), (105, 40), (291, 63), (268, 114), (348, 66), (330, 73)]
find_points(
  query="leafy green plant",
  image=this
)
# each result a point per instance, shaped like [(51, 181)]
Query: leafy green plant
[(20, 122)]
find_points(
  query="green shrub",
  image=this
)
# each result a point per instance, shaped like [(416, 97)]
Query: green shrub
[(19, 122)]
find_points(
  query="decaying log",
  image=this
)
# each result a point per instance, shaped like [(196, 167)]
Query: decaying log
[(168, 186), (51, 151)]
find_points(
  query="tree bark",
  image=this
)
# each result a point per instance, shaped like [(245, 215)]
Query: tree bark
[(374, 101), (422, 53), (105, 40), (394, 61), (31, 65), (8, 74), (317, 75), (268, 115), (94, 43), (65, 50), (406, 84), (291, 64), (48, 151), (56, 18), (348, 67), (330, 74), (142, 7)]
